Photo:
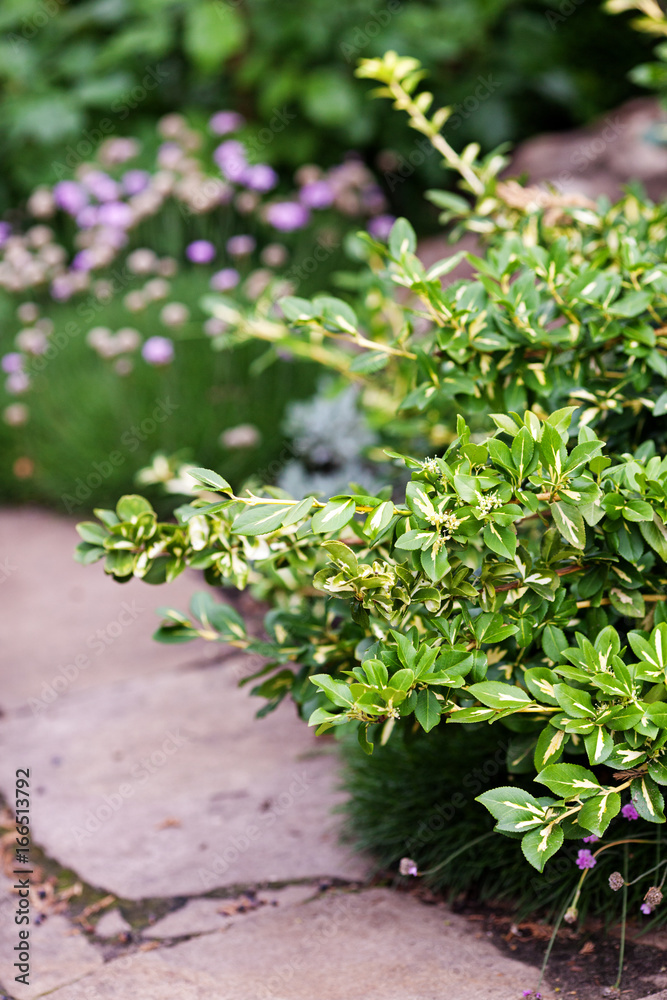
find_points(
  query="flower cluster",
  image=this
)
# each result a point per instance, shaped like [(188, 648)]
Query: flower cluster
[(90, 240)]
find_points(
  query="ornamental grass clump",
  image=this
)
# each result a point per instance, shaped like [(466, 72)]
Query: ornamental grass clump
[(515, 569)]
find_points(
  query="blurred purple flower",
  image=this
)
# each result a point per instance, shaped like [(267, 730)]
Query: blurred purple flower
[(12, 362), (70, 197), (5, 231), (646, 909), (17, 382), (223, 281), (116, 214), (226, 121), (287, 216), (61, 288), (101, 186), (87, 217), (259, 177), (593, 839), (629, 811), (380, 226), (239, 246), (82, 261), (585, 859), (373, 199), (230, 156), (200, 252), (158, 351), (136, 181), (112, 236), (316, 194)]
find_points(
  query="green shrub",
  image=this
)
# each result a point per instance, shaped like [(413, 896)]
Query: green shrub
[(518, 576)]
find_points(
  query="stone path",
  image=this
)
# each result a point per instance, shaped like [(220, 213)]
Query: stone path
[(203, 837)]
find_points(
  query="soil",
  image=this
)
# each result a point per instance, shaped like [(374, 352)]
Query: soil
[(584, 959)]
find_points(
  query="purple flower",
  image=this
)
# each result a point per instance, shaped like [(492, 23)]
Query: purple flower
[(83, 261), (135, 181), (593, 839), (158, 351), (116, 214), (380, 226), (646, 909), (408, 867), (101, 186), (317, 194), (585, 859), (226, 121), (373, 199), (17, 382), (61, 288), (5, 230), (287, 216), (70, 196), (259, 177), (223, 281), (112, 236), (629, 811), (230, 156), (200, 252), (87, 217), (239, 246), (12, 362)]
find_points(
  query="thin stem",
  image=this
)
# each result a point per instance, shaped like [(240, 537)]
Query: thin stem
[(606, 600), (403, 100), (552, 940), (621, 956)]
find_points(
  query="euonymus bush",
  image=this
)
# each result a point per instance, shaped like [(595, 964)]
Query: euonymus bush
[(515, 570)]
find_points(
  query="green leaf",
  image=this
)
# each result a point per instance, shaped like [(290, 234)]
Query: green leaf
[(575, 702), (379, 519), (402, 238), (541, 844), (298, 512), (428, 709), (337, 691), (569, 780), (336, 514), (599, 745), (92, 533), (211, 479), (550, 745), (342, 555), (541, 682), (629, 603), (513, 808), (130, 507), (523, 447), (554, 642), (497, 695), (647, 799), (570, 523), (260, 519), (500, 540), (468, 716), (213, 33), (597, 813)]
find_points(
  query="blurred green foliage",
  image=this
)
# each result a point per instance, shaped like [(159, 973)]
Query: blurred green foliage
[(66, 67)]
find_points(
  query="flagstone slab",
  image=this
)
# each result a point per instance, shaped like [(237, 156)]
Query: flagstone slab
[(167, 785), (58, 952), (66, 627), (376, 944)]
